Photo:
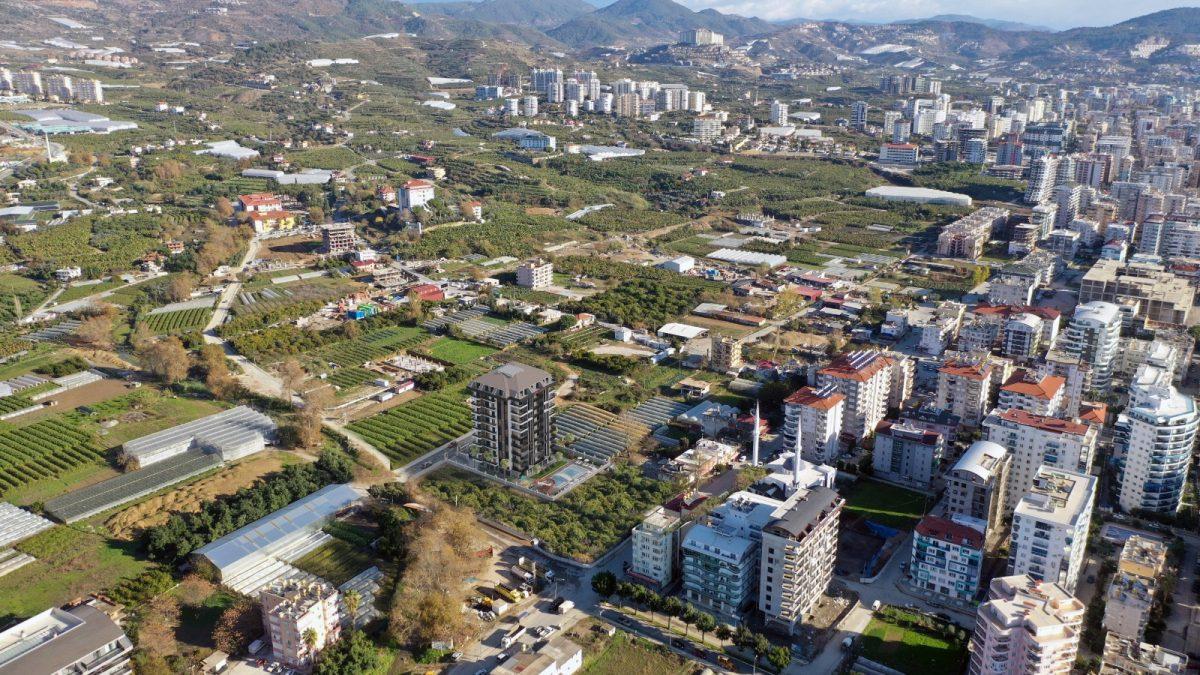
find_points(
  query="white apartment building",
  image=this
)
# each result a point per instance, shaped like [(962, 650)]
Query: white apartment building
[(1130, 596), (1050, 527), (1094, 334), (292, 607), (899, 153), (975, 486), (965, 388), (779, 113), (707, 128), (814, 415), (1041, 179), (1035, 440), (865, 379), (907, 454), (721, 556), (1154, 439), (1034, 393), (655, 545), (1022, 336), (535, 274), (1026, 627), (416, 193), (799, 550)]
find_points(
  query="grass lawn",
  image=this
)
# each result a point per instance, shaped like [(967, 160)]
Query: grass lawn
[(453, 350), (911, 650), (77, 292), (72, 561), (627, 655), (197, 621), (886, 504), (336, 561)]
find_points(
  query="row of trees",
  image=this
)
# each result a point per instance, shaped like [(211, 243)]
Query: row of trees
[(606, 585)]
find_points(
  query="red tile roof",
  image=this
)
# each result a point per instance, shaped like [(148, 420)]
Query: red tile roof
[(258, 199), (809, 397), (1092, 412), (1052, 424), (270, 215), (417, 184), (1045, 388), (844, 369), (950, 531), (972, 371)]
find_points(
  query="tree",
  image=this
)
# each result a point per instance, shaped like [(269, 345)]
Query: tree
[(310, 639), (238, 626), (224, 208), (166, 359), (156, 630), (416, 307), (604, 583), (291, 376), (779, 658), (353, 600), (761, 644), (310, 418), (180, 287), (688, 616), (724, 632), (672, 607), (96, 331), (351, 655), (705, 622)]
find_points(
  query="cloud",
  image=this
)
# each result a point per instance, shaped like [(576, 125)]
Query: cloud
[(1057, 13)]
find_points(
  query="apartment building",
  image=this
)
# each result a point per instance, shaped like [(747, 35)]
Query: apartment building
[(1094, 335), (290, 609), (512, 407), (907, 454), (721, 556), (656, 548), (1130, 595), (338, 238), (1034, 393), (813, 415), (1026, 627), (1154, 438), (79, 640), (989, 326), (966, 237), (1022, 336), (947, 555), (1050, 527), (799, 550), (1128, 656), (535, 273), (1035, 440), (1159, 295), (865, 379), (975, 487), (416, 193), (726, 354), (965, 388)]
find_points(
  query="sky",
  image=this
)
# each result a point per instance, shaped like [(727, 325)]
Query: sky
[(1052, 13)]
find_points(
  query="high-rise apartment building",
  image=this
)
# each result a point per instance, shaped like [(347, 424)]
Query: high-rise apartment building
[(1154, 438), (907, 454), (947, 556), (1027, 627), (1041, 179), (1050, 527), (975, 486), (965, 388), (865, 379), (1036, 440), (858, 115), (779, 113), (799, 549), (815, 415), (1094, 334), (1158, 294), (512, 407)]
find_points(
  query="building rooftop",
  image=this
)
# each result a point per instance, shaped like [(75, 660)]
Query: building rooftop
[(1027, 384), (1039, 606), (823, 398), (512, 379), (859, 365), (979, 370), (55, 639), (805, 511), (944, 529), (226, 429), (1042, 422), (982, 459), (1123, 655), (1057, 496)]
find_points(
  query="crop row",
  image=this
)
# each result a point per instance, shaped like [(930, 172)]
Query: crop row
[(412, 429), (180, 321), (43, 450)]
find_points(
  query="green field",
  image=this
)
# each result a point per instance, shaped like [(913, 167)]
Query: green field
[(457, 352), (886, 504), (908, 648), (336, 562), (76, 292), (627, 655), (372, 345), (414, 428), (181, 321)]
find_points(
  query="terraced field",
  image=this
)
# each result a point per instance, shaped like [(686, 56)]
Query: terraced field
[(414, 428)]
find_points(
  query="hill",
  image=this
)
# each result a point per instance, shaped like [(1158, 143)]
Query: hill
[(646, 22), (540, 14)]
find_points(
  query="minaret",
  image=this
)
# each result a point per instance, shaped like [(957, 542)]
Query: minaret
[(796, 458), (757, 433)]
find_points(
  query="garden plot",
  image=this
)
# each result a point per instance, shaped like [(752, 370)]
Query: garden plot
[(657, 411), (412, 429), (594, 434)]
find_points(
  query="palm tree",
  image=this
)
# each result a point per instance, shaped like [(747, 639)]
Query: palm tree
[(353, 600), (310, 638)]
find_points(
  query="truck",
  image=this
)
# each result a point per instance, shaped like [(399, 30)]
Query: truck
[(539, 571), (509, 593), (513, 635), (522, 573)]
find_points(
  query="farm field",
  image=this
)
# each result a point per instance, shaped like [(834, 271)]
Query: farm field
[(70, 563), (43, 450), (886, 504), (181, 321), (349, 377), (76, 292), (458, 352), (372, 345), (411, 429), (336, 561)]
